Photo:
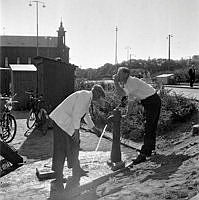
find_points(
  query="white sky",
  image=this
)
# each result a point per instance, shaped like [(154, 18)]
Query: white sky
[(143, 25)]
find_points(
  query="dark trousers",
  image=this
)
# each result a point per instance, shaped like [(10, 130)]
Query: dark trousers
[(152, 106), (192, 80), (64, 147)]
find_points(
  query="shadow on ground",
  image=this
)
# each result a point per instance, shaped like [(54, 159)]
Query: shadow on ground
[(72, 191), (169, 164), (20, 114), (37, 145)]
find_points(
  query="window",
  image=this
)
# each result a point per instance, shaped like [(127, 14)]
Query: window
[(29, 60), (18, 60), (6, 61)]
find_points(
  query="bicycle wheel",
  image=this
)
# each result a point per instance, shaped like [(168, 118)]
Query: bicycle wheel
[(30, 122), (9, 128)]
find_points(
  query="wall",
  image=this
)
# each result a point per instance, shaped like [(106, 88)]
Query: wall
[(23, 81)]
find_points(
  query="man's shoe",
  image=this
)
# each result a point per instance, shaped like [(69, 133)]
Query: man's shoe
[(79, 173), (141, 158), (109, 163), (83, 172), (118, 165)]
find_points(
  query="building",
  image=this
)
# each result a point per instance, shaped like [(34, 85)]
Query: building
[(166, 79), (49, 74), (53, 79), (22, 49), (56, 80), (23, 78)]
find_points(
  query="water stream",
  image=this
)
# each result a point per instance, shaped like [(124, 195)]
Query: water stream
[(99, 143)]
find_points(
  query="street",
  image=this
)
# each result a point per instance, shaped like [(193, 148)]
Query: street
[(186, 91)]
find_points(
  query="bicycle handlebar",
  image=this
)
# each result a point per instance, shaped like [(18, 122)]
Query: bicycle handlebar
[(29, 92), (4, 98), (8, 98), (34, 95)]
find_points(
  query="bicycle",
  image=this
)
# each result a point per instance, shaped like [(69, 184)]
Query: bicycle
[(37, 116), (7, 121)]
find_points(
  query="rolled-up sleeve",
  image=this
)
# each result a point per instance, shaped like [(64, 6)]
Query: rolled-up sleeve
[(76, 115), (81, 107), (89, 121)]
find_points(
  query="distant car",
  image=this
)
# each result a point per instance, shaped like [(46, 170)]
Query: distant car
[(195, 58)]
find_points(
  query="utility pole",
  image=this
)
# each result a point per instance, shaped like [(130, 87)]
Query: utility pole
[(116, 61), (131, 54), (128, 48), (169, 50), (169, 53)]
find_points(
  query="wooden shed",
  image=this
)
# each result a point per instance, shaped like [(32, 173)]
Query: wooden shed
[(55, 80), (5, 80), (165, 79), (23, 78)]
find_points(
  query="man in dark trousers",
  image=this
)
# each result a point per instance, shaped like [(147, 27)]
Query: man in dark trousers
[(66, 119), (138, 90), (192, 73)]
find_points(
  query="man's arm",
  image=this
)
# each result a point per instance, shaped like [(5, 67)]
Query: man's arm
[(76, 136), (76, 113), (88, 120), (90, 124), (119, 90)]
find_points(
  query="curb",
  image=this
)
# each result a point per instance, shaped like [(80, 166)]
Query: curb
[(182, 86)]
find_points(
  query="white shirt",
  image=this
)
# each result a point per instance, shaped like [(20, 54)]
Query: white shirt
[(137, 88), (68, 114)]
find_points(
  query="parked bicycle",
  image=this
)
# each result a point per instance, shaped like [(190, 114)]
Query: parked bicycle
[(7, 121), (37, 116)]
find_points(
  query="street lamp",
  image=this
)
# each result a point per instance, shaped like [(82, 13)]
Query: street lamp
[(43, 5), (37, 11)]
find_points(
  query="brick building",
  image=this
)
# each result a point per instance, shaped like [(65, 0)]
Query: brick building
[(22, 49)]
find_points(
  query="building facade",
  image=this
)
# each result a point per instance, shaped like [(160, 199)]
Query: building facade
[(22, 49)]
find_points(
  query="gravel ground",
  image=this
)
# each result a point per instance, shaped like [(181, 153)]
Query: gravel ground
[(171, 174)]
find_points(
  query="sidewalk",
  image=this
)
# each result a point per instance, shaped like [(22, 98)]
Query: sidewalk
[(185, 90), (184, 85)]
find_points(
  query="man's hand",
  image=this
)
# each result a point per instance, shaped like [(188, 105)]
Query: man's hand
[(119, 89), (124, 116), (116, 78), (97, 131), (76, 137)]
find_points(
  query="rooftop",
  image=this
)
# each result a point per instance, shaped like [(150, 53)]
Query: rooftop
[(23, 67), (27, 41)]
